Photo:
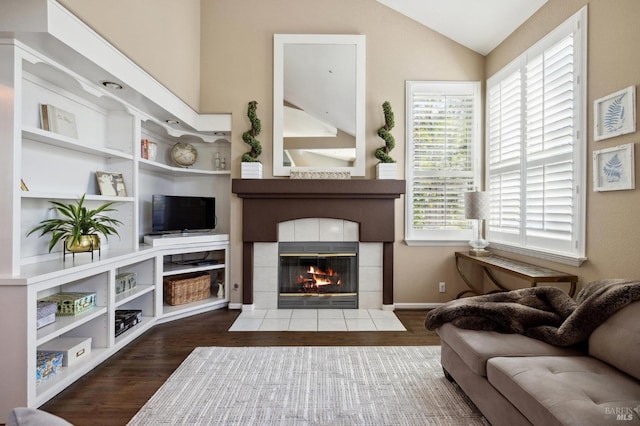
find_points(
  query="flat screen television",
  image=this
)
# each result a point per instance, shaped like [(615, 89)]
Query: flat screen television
[(176, 213)]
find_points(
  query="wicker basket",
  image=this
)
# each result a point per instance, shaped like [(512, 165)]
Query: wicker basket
[(186, 288)]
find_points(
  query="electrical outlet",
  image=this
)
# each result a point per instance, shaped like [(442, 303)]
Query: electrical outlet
[(442, 286)]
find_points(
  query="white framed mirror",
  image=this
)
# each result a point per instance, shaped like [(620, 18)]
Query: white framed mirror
[(318, 103)]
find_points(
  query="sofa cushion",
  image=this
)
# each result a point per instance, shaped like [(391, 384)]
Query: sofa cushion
[(568, 390), (617, 340), (476, 347)]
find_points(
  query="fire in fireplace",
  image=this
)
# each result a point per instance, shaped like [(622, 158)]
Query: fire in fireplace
[(318, 275)]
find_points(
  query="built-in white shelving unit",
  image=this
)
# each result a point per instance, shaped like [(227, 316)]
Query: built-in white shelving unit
[(48, 56)]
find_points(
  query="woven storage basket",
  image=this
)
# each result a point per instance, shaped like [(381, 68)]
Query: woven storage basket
[(186, 288)]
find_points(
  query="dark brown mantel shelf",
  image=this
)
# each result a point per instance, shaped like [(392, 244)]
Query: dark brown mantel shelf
[(317, 188), (267, 202)]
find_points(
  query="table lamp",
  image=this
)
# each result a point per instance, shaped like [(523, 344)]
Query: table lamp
[(476, 206)]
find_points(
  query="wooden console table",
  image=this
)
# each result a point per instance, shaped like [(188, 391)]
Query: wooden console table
[(525, 271)]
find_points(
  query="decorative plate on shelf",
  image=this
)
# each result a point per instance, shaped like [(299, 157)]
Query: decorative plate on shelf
[(184, 154)]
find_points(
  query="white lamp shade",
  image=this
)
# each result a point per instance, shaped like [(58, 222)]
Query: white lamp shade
[(476, 205)]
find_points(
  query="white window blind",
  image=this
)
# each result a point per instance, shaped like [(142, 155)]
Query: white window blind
[(536, 147), (442, 158)]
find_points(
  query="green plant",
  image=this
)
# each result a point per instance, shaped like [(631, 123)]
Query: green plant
[(249, 136), (76, 220), (384, 132)]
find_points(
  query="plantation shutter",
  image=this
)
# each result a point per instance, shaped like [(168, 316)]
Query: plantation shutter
[(535, 156), (505, 152), (550, 139), (442, 130)]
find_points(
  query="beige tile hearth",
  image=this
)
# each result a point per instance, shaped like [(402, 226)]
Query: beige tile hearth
[(317, 320)]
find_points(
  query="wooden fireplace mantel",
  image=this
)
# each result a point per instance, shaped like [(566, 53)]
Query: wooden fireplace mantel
[(267, 202)]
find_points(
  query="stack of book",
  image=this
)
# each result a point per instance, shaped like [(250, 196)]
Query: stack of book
[(125, 319)]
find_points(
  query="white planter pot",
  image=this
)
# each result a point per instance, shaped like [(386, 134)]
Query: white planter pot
[(251, 170), (387, 171)]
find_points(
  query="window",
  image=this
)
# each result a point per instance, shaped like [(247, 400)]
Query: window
[(535, 142), (443, 159)]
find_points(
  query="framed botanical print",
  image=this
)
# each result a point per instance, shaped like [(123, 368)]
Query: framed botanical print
[(614, 168), (615, 115)]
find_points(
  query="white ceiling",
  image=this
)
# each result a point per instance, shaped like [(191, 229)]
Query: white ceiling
[(480, 25)]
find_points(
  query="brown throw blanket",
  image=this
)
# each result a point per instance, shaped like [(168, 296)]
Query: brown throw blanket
[(544, 313)]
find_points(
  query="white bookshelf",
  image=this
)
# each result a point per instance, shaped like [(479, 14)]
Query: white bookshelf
[(48, 56)]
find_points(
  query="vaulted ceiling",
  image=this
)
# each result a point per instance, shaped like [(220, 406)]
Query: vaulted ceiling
[(480, 25)]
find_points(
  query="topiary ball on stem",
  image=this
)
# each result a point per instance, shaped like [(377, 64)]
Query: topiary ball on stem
[(384, 132), (249, 136)]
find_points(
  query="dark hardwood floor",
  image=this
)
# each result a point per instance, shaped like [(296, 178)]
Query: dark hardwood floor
[(114, 391)]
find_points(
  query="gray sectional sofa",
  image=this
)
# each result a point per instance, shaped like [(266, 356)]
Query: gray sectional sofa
[(518, 380)]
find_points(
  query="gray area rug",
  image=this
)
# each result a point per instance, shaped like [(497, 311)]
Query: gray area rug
[(342, 385)]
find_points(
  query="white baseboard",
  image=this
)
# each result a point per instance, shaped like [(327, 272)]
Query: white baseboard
[(395, 306), (417, 305)]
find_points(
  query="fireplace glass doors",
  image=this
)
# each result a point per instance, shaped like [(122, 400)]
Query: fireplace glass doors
[(318, 275)]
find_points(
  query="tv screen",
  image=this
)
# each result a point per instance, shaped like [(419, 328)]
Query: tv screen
[(172, 213)]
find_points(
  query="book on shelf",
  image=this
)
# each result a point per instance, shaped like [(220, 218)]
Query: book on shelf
[(144, 149), (58, 121), (148, 149)]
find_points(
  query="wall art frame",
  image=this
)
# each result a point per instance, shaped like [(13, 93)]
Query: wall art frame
[(615, 114), (111, 184), (614, 168)]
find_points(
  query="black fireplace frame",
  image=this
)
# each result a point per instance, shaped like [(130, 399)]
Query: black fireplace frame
[(320, 250)]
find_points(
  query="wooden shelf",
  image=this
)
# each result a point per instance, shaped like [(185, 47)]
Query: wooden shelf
[(168, 310), (75, 145), (68, 375), (64, 324), (173, 269), (133, 294), (154, 166), (65, 196)]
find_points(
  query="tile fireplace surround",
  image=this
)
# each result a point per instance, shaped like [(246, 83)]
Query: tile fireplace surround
[(265, 260), (317, 210)]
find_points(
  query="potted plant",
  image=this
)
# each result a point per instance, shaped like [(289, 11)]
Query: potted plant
[(386, 168), (78, 226), (251, 166)]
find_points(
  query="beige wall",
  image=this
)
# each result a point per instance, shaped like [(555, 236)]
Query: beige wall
[(236, 67), (613, 218), (161, 36)]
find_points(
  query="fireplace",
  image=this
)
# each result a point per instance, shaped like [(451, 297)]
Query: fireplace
[(318, 275), (267, 203)]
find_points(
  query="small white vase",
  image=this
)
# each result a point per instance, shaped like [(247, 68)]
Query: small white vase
[(220, 293)]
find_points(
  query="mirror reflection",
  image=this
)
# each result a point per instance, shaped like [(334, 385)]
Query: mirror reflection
[(318, 101), (319, 117)]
